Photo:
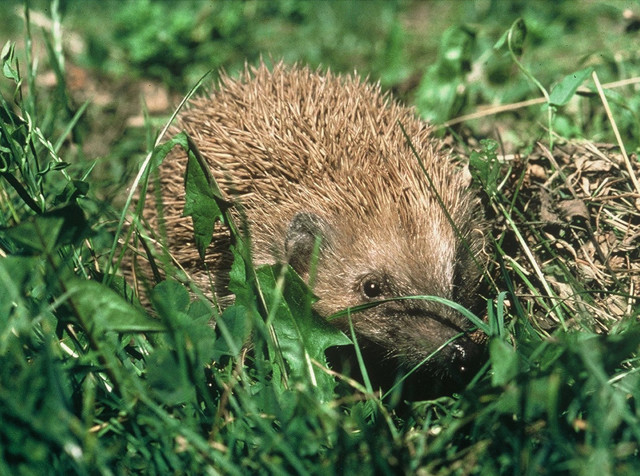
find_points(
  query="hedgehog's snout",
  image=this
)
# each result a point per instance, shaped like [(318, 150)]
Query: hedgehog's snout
[(466, 357)]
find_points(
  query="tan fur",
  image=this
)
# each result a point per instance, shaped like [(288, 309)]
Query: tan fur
[(291, 140)]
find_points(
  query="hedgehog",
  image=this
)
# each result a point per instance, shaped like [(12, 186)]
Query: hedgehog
[(314, 156)]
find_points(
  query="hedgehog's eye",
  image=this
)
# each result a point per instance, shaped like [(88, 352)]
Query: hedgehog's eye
[(371, 288)]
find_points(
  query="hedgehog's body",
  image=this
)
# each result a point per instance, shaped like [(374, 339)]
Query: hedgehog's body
[(311, 154)]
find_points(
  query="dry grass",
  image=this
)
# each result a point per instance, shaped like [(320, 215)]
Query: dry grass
[(580, 221)]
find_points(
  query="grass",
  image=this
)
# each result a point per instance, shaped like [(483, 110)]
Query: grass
[(91, 384)]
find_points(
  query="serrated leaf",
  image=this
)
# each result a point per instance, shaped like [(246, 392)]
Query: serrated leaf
[(200, 205), (567, 87), (302, 334), (102, 309), (203, 199)]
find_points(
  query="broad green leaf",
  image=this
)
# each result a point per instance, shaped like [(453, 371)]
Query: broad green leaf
[(19, 276), (189, 323), (7, 56), (166, 378), (301, 333), (102, 309), (199, 309), (203, 199), (608, 350), (73, 190), (15, 273), (242, 276), (46, 232), (120, 286), (238, 274), (505, 362), (235, 324), (439, 94), (162, 150), (168, 297), (484, 166), (567, 87), (234, 327)]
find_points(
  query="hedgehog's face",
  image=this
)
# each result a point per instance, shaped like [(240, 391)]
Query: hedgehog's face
[(365, 268)]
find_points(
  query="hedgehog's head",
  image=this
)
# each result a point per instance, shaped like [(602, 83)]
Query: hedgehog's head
[(375, 258)]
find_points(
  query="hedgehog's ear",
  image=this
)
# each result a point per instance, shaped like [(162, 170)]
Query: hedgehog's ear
[(300, 241)]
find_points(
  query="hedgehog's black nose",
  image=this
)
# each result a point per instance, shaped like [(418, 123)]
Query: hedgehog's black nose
[(466, 357)]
